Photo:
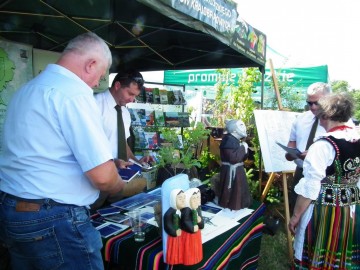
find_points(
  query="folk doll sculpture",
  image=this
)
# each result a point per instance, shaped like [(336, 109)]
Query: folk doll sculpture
[(172, 201), (174, 254), (191, 223), (234, 189)]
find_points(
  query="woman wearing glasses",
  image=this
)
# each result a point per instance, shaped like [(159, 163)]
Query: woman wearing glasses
[(326, 214), (305, 129)]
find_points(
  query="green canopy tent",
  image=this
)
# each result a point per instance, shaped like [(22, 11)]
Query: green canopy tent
[(146, 35)]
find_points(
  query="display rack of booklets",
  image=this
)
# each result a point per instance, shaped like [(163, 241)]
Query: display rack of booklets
[(158, 106)]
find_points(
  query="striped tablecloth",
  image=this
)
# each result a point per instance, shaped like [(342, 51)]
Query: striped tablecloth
[(237, 248)]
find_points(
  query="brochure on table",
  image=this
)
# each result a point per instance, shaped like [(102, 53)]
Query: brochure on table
[(137, 201), (217, 219), (219, 222)]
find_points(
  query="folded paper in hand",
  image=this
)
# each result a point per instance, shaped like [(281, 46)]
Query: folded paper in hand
[(294, 152), (128, 174), (144, 166)]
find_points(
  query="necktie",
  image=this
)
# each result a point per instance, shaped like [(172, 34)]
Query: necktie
[(312, 133), (121, 135)]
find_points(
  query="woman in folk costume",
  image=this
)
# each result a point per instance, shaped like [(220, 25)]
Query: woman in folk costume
[(191, 224), (234, 188), (171, 223), (326, 219)]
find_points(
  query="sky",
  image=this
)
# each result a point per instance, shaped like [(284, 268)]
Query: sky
[(310, 33)]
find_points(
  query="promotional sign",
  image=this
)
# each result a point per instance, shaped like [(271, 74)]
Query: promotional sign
[(219, 14), (302, 77), (221, 19), (204, 81)]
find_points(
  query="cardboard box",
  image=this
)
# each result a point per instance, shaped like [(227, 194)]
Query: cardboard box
[(150, 177)]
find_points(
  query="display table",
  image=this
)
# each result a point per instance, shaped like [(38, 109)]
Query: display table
[(237, 248)]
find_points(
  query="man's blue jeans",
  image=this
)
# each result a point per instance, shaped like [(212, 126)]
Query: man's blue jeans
[(57, 236)]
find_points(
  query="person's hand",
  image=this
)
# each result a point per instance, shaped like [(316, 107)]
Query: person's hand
[(122, 164), (147, 159), (289, 157), (293, 223), (303, 155)]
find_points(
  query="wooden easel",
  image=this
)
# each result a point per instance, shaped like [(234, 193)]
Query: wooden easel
[(287, 214), (284, 173), (276, 87)]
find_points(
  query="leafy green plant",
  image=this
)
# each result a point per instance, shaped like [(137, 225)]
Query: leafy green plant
[(253, 183), (235, 101), (255, 145), (273, 195), (206, 157), (173, 157)]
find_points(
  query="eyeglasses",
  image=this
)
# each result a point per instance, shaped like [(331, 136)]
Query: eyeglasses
[(310, 103)]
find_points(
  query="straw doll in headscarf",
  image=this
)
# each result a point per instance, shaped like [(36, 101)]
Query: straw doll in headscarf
[(234, 189), (171, 223), (191, 224)]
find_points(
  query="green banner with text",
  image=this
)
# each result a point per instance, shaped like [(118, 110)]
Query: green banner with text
[(301, 77), (223, 16)]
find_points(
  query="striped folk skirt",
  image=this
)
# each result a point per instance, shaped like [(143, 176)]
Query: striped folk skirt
[(332, 238)]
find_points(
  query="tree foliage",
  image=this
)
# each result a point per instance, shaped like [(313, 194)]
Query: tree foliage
[(343, 86), (340, 86), (235, 101), (290, 97)]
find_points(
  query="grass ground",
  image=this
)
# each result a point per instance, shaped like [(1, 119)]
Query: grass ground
[(274, 253)]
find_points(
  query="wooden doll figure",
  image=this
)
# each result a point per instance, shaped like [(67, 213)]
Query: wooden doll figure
[(171, 223), (234, 189), (191, 223)]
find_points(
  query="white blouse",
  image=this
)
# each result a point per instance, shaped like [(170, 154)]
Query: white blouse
[(320, 155)]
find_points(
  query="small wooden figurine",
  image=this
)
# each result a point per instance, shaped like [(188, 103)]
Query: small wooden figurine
[(191, 224), (174, 254), (234, 189)]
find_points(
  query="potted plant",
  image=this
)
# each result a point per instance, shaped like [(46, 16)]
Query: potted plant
[(179, 153)]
